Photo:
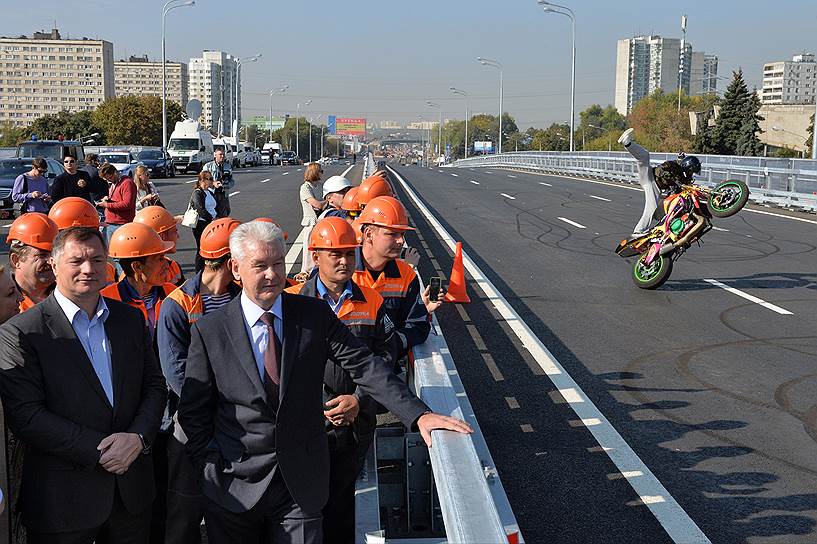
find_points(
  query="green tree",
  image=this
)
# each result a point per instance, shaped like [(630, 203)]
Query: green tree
[(10, 135), (553, 138), (658, 124), (704, 141), (66, 124), (135, 120), (787, 153), (732, 116), (748, 143), (596, 121)]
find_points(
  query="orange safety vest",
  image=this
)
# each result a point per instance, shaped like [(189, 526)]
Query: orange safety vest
[(355, 312), (110, 273), (393, 281), (119, 291), (174, 272), (27, 303)]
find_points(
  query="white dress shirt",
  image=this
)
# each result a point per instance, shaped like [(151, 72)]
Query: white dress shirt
[(257, 330)]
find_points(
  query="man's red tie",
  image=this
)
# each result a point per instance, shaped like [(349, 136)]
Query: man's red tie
[(271, 353)]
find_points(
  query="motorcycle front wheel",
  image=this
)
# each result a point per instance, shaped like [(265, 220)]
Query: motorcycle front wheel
[(654, 275), (728, 198)]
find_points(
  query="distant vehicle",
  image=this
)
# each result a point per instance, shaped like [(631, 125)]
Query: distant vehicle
[(239, 154), (122, 160), (272, 152), (10, 169), (224, 145), (252, 155), (190, 146), (159, 164), (289, 158), (51, 149)]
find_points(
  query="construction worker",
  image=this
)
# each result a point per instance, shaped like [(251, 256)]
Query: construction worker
[(208, 290), (30, 240), (383, 226), (163, 222), (334, 190), (372, 187), (350, 205), (74, 211), (350, 416)]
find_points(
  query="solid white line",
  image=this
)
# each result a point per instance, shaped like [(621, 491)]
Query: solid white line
[(343, 175), (668, 512), (474, 182), (600, 198), (508, 196), (190, 181), (569, 222), (295, 250), (720, 229), (265, 180), (285, 174), (455, 175), (5, 226), (234, 193), (510, 176), (545, 184), (747, 296)]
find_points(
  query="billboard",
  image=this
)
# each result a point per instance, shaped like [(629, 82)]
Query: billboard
[(347, 126), (261, 122), (483, 147)]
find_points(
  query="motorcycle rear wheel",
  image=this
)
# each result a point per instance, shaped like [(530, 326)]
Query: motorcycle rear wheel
[(654, 275), (738, 192)]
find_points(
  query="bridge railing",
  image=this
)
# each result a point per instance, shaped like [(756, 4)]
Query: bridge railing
[(789, 183)]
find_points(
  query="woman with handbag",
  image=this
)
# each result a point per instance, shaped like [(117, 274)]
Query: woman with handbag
[(208, 202), (146, 193)]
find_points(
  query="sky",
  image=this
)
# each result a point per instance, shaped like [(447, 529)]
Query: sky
[(383, 60)]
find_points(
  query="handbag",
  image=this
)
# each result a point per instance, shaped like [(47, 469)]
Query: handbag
[(191, 216)]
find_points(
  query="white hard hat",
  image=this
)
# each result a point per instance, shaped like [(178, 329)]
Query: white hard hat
[(335, 184)]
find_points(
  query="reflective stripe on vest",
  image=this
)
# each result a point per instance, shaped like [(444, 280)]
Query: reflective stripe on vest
[(192, 305), (388, 287)]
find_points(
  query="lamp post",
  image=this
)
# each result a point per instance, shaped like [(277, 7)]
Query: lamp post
[(498, 66), (439, 126), (237, 115), (298, 128), (552, 8), (310, 133), (170, 4), (271, 93), (682, 59), (422, 140), (465, 94)]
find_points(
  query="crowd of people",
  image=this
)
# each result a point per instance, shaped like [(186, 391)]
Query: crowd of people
[(147, 402)]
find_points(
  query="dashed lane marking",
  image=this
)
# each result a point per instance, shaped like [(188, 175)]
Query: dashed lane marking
[(510, 176), (569, 222), (285, 174), (720, 229), (675, 521), (545, 184), (508, 196), (265, 180), (295, 250), (751, 298), (455, 175), (234, 193), (513, 404), (190, 181), (474, 182), (600, 198)]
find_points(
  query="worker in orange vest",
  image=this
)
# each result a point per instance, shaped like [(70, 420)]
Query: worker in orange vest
[(73, 211), (31, 237), (163, 222)]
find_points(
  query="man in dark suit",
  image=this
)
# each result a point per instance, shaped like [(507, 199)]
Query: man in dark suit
[(81, 388), (256, 427)]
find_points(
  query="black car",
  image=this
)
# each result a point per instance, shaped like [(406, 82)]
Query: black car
[(10, 169), (289, 158), (159, 164)]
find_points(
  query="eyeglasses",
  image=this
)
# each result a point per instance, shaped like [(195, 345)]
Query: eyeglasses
[(69, 162)]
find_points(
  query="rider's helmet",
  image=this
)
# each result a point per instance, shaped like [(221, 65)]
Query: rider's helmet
[(690, 165)]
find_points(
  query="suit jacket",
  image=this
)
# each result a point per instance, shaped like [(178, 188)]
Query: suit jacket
[(235, 432), (55, 404)]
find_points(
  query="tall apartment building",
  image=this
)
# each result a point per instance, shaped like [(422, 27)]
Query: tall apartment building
[(45, 74), (790, 82), (212, 81), (141, 76), (647, 63)]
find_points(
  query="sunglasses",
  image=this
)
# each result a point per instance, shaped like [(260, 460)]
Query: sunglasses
[(69, 162)]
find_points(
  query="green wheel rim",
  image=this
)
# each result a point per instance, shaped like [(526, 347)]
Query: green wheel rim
[(657, 267), (739, 195)]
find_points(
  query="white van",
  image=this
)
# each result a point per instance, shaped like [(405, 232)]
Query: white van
[(190, 146)]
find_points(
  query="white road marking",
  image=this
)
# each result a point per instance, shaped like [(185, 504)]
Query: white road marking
[(265, 180), (676, 522), (751, 298), (488, 171), (455, 175), (234, 193), (720, 229), (190, 181), (295, 250), (569, 222), (474, 182), (600, 198), (510, 176), (347, 171), (545, 184), (508, 196), (285, 174), (299, 169), (5, 226)]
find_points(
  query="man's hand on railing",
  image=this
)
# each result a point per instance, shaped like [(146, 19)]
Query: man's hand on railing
[(431, 421)]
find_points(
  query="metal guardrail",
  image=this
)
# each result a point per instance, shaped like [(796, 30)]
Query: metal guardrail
[(369, 165), (788, 183)]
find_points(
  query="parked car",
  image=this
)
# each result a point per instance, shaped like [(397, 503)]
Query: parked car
[(289, 158), (122, 160), (10, 169), (159, 164), (51, 149)]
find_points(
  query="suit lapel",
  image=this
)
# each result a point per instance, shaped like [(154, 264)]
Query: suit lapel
[(70, 346), (240, 342), (290, 342), (120, 362)]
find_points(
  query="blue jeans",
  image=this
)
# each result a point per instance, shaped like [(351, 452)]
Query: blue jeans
[(109, 230)]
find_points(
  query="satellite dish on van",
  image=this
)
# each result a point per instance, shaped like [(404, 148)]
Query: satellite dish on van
[(193, 109)]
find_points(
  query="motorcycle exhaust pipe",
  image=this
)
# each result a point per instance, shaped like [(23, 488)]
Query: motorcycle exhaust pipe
[(700, 222)]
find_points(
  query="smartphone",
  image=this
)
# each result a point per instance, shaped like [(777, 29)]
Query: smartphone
[(435, 284)]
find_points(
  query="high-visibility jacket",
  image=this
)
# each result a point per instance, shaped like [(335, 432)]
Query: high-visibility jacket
[(120, 291), (365, 315), (110, 273), (27, 303), (400, 289), (180, 310), (174, 273)]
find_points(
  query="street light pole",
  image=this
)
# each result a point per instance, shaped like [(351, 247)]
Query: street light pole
[(271, 93), (682, 59), (439, 126), (465, 94), (550, 8), (237, 115), (310, 134), (498, 66), (298, 128), (167, 7)]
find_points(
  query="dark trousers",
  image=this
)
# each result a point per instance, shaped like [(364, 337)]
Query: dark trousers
[(339, 512), (197, 230), (184, 499), (157, 521), (121, 527), (276, 519)]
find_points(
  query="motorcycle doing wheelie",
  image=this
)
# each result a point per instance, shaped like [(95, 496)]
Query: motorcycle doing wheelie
[(687, 216)]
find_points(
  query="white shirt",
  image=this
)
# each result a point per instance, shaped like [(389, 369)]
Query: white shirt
[(91, 334), (257, 330)]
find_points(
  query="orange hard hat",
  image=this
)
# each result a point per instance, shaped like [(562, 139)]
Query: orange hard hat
[(350, 200), (358, 226), (215, 240), (274, 222), (332, 233), (35, 230), (156, 217), (73, 211), (134, 240), (385, 211), (372, 187)]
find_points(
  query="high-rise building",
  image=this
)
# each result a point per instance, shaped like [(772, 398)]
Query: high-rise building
[(790, 82), (645, 64), (45, 74), (140, 76), (212, 80)]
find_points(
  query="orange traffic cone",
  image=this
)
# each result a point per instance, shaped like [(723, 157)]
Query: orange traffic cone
[(456, 283)]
